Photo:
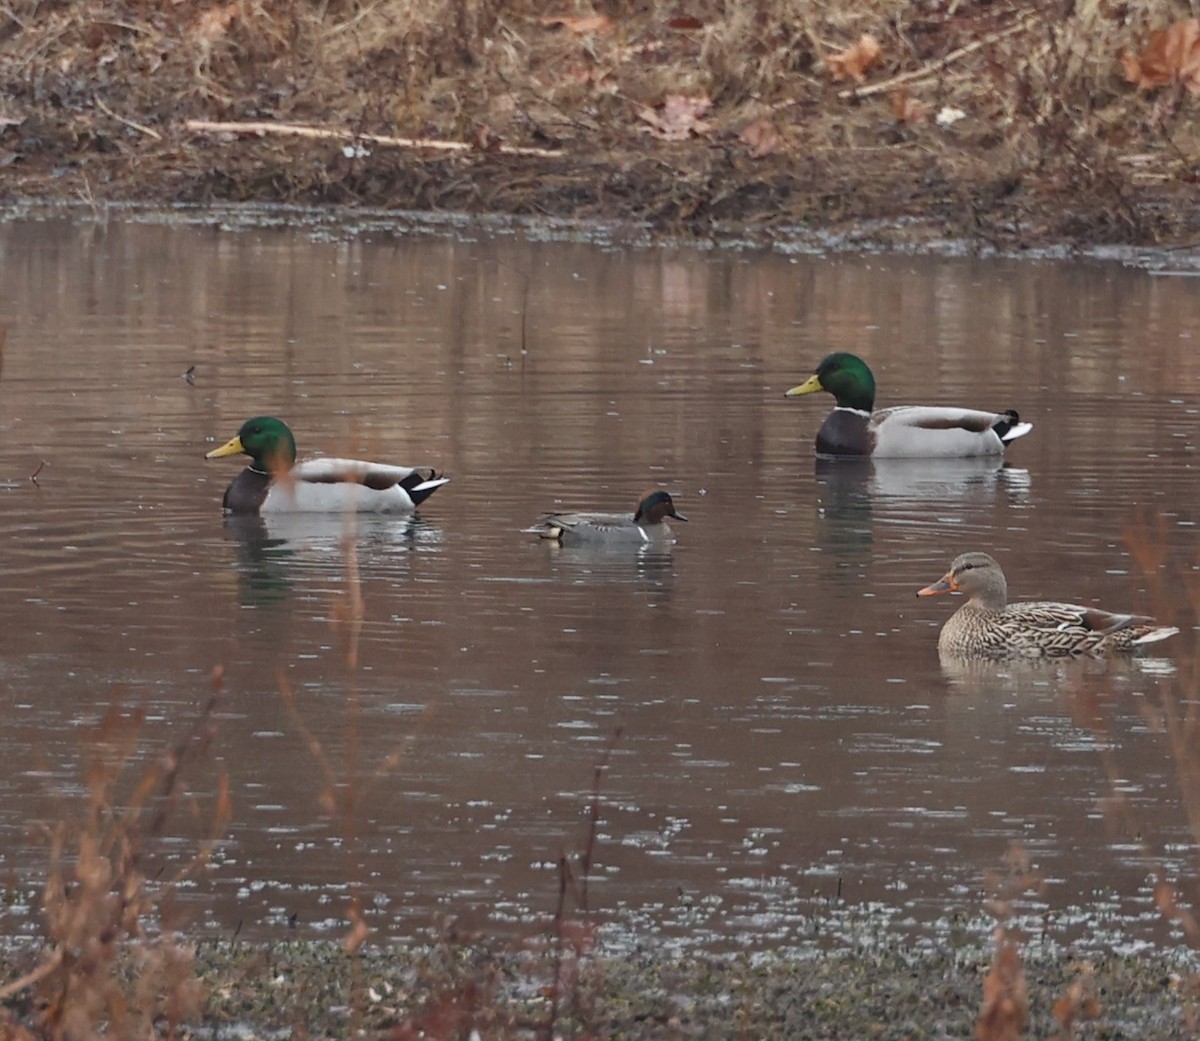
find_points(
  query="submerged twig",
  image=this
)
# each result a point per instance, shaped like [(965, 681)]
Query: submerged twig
[(594, 803), (40, 467)]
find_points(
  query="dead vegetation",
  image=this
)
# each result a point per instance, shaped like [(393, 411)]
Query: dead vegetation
[(1018, 121), (1005, 1012), (112, 963)]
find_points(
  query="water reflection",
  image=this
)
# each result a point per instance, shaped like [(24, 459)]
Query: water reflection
[(274, 552), (1066, 675), (946, 480), (852, 483), (785, 716), (262, 561), (611, 563), (854, 495)]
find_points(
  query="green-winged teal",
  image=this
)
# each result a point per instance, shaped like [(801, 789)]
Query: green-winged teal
[(646, 525)]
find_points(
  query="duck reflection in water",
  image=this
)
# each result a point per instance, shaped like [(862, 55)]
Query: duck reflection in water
[(613, 563), (1000, 681), (275, 553), (854, 493)]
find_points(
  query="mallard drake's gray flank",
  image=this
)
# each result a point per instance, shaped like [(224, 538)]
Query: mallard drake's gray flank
[(275, 483), (648, 524), (854, 428), (987, 625)]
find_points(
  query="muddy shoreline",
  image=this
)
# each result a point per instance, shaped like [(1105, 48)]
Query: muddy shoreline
[(693, 198), (314, 988)]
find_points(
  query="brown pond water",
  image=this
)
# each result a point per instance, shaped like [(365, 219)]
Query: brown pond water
[(787, 733)]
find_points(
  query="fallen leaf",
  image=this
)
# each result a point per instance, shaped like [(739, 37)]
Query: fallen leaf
[(581, 24), (214, 23), (854, 61), (906, 108), (678, 118), (684, 22), (1170, 56), (761, 138), (485, 138)]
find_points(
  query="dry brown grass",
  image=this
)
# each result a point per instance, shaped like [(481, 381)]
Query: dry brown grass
[(1053, 140), (1005, 1008), (112, 963)]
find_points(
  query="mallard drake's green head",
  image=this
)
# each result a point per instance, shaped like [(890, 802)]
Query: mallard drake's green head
[(845, 376), (655, 506), (266, 440)]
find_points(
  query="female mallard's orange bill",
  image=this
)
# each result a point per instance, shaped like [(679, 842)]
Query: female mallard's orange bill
[(945, 584)]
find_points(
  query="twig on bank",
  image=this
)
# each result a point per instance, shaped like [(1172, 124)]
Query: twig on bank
[(936, 66), (204, 126), (141, 128)]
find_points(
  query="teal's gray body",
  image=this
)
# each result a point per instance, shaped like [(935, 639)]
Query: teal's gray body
[(647, 525)]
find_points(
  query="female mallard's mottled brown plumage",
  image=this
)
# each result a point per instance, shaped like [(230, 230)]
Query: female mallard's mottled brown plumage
[(987, 625)]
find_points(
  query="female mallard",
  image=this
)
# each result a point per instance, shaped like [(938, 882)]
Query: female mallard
[(904, 431), (648, 524), (987, 625), (275, 483)]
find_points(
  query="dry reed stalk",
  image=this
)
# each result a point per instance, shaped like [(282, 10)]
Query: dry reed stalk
[(113, 966), (1175, 715)]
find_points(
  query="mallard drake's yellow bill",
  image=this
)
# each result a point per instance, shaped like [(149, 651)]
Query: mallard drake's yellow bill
[(809, 386), (231, 447)]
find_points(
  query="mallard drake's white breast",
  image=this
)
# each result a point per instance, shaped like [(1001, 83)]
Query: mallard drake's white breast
[(987, 625), (275, 483), (854, 428), (646, 525)]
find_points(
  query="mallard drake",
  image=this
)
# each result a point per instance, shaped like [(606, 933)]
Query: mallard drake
[(987, 625), (275, 483), (853, 428), (648, 524)]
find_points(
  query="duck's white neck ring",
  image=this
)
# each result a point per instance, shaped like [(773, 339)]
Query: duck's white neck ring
[(848, 408), (255, 470)]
